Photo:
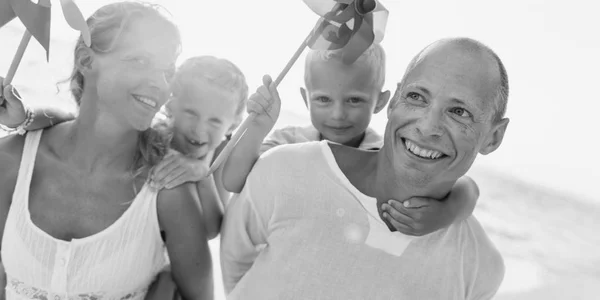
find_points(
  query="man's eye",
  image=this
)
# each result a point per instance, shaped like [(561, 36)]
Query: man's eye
[(414, 96), (461, 112)]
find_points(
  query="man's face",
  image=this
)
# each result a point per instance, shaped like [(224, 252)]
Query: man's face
[(202, 118), (441, 116), (342, 99)]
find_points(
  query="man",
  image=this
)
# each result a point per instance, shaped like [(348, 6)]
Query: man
[(306, 225)]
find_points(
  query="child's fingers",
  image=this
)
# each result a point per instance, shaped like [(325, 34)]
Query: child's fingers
[(399, 226), (253, 106), (267, 80), (257, 105), (264, 92), (417, 202), (397, 205), (264, 102), (176, 178), (397, 215), (161, 174)]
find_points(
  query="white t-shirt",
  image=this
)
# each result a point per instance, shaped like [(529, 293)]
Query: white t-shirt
[(308, 133), (301, 230)]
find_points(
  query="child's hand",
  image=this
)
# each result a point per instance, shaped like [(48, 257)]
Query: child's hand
[(418, 216), (12, 111), (176, 169), (265, 103)]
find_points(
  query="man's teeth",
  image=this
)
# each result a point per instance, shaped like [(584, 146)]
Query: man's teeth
[(146, 100), (425, 153)]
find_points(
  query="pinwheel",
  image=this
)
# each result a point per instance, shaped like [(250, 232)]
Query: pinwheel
[(36, 18), (350, 26)]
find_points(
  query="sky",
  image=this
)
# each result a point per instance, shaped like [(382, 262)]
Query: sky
[(550, 50)]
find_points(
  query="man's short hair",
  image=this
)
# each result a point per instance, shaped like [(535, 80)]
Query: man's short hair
[(374, 56), (501, 95)]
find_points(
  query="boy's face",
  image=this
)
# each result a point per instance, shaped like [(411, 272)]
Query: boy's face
[(201, 122), (342, 99)]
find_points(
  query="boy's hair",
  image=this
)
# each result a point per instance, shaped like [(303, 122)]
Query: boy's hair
[(217, 71), (374, 56)]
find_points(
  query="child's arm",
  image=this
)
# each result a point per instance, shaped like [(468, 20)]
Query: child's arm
[(224, 194), (13, 112), (421, 216), (176, 169), (266, 104), (211, 205)]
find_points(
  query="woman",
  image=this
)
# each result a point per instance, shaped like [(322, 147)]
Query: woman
[(78, 219)]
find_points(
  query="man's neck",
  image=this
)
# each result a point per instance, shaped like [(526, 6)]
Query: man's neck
[(374, 176), (390, 182)]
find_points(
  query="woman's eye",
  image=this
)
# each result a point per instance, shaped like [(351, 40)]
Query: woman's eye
[(461, 112)]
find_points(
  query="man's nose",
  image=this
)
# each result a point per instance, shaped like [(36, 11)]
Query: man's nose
[(430, 123)]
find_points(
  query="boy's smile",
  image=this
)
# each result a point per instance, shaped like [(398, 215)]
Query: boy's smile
[(202, 116)]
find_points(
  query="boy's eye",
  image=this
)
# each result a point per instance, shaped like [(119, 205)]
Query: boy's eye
[(414, 96), (461, 112), (322, 99), (355, 100)]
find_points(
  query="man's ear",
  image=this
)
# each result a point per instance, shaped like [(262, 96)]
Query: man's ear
[(383, 99), (304, 96), (393, 102), (495, 137)]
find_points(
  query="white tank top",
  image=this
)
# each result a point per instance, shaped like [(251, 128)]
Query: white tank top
[(117, 263)]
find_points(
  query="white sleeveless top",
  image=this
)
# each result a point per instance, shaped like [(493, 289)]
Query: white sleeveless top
[(117, 263)]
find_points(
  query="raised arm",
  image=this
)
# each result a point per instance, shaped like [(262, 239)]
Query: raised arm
[(266, 104), (187, 244), (13, 113)]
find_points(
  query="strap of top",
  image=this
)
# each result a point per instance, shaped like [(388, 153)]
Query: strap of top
[(32, 141)]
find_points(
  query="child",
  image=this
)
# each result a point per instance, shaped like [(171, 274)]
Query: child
[(342, 99), (208, 98)]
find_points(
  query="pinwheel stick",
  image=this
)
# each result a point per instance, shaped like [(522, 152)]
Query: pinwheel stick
[(12, 70), (244, 126), (17, 59)]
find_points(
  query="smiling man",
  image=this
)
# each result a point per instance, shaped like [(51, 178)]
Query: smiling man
[(307, 226)]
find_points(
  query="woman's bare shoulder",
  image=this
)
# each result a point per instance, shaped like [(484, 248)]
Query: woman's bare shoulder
[(11, 149)]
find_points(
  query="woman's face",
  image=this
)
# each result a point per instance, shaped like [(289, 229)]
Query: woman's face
[(132, 80)]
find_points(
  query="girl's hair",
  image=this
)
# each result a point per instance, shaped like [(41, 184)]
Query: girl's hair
[(106, 25)]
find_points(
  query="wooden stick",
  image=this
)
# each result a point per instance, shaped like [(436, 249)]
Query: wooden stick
[(244, 127), (17, 59)]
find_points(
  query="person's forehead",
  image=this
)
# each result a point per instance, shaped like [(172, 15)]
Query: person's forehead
[(205, 97), (150, 35), (458, 72), (329, 74)]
